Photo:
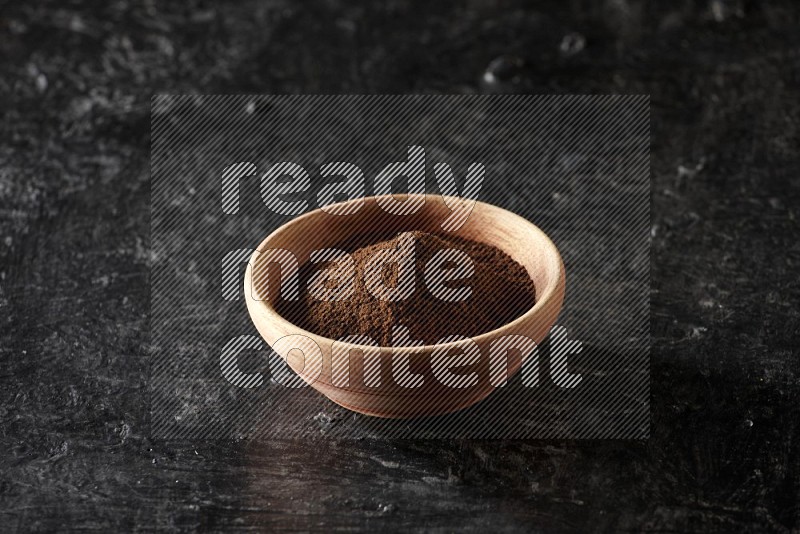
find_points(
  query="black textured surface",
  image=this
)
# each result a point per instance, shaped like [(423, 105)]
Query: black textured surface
[(76, 82)]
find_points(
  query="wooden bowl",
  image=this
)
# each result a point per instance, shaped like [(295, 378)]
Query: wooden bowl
[(316, 359)]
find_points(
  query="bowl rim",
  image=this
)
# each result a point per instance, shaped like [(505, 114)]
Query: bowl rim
[(548, 294)]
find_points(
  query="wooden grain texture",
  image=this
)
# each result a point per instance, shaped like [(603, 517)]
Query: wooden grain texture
[(76, 80)]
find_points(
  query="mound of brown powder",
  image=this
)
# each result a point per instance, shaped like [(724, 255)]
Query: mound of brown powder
[(501, 291)]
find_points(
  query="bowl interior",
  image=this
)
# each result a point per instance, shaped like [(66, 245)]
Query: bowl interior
[(512, 234)]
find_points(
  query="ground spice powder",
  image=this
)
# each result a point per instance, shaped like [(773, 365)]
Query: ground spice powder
[(501, 292)]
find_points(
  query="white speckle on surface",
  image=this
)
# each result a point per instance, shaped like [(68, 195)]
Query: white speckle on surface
[(385, 463), (707, 304), (572, 44), (698, 331), (41, 83)]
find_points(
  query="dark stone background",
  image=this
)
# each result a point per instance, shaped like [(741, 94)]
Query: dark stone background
[(76, 80)]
